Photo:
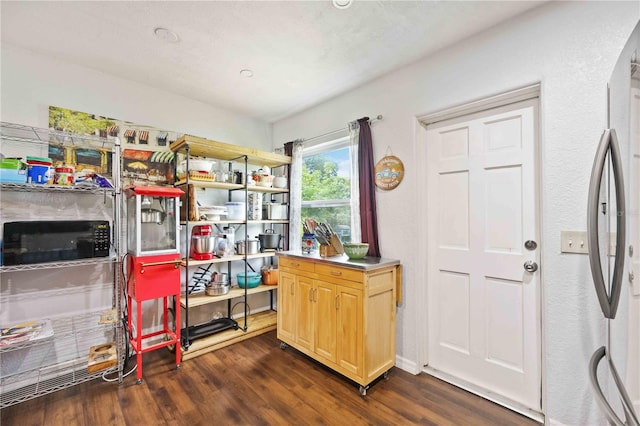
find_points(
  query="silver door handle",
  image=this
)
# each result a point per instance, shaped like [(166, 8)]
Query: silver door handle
[(530, 266)]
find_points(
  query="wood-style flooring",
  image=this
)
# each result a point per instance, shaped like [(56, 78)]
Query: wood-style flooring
[(257, 383)]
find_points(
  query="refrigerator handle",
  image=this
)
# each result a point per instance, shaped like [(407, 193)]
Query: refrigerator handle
[(608, 144), (618, 268), (610, 414)]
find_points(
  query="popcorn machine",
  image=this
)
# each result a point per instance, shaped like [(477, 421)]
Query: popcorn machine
[(153, 228)]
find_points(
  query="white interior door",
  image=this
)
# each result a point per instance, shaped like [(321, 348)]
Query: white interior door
[(483, 306)]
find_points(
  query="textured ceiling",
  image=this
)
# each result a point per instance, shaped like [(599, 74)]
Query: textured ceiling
[(301, 52)]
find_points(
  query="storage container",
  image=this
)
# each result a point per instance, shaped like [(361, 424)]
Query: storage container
[(64, 175), (39, 169), (274, 211), (39, 174), (236, 210), (254, 211), (13, 176), (11, 163)]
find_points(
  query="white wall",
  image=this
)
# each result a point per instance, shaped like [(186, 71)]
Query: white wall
[(32, 82), (570, 48)]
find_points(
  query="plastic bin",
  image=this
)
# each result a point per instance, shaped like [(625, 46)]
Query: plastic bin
[(236, 210)]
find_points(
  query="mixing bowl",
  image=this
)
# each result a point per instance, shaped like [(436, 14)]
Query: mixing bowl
[(356, 250), (203, 244)]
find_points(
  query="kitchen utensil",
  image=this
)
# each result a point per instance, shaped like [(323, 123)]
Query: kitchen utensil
[(217, 289), (308, 243), (219, 284), (263, 177), (279, 182), (203, 242), (269, 276), (212, 212), (323, 235), (336, 243), (195, 164), (269, 240), (224, 247), (151, 216), (249, 246), (356, 250), (251, 280)]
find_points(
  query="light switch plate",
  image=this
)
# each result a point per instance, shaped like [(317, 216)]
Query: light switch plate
[(574, 242)]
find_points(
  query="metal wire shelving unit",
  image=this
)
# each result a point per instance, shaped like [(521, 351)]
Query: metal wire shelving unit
[(59, 358)]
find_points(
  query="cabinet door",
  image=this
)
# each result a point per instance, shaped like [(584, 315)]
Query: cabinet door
[(304, 312), (286, 307), (325, 320), (349, 335)]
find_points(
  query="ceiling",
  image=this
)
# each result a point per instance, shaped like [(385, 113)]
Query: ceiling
[(301, 52)]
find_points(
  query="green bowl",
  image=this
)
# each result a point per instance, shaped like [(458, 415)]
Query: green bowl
[(356, 250)]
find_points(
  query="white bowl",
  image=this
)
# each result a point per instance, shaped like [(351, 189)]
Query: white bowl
[(279, 182), (198, 165)]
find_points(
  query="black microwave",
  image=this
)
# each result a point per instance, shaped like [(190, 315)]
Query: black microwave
[(54, 241)]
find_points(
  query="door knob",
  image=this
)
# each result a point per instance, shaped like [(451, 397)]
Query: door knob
[(530, 266)]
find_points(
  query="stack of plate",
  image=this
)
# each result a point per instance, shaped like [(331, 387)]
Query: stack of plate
[(212, 212)]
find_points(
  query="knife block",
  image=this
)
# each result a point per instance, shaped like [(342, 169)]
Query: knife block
[(327, 251)]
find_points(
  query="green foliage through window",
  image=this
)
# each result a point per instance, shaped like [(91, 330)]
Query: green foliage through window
[(326, 190)]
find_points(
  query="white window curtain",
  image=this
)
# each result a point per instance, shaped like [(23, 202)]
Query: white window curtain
[(354, 133), (295, 198)]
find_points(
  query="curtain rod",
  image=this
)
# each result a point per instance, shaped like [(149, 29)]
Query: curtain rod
[(372, 120)]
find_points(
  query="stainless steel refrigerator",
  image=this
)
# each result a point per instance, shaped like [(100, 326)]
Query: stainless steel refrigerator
[(613, 229)]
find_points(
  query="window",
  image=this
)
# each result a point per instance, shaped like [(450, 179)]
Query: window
[(326, 185)]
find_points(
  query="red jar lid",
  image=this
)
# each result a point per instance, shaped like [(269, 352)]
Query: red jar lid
[(62, 169)]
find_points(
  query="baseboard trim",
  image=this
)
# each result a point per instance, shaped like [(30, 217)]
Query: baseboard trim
[(407, 365), (486, 394), (553, 422)]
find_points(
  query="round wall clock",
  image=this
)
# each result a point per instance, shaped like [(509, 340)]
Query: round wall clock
[(389, 172)]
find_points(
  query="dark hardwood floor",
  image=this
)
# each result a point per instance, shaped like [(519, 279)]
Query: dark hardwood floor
[(257, 383)]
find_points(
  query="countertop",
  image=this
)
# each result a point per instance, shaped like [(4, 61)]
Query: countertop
[(366, 264)]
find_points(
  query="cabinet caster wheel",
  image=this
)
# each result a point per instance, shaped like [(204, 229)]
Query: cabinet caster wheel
[(283, 345), (386, 374), (179, 367), (139, 382), (363, 390)]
